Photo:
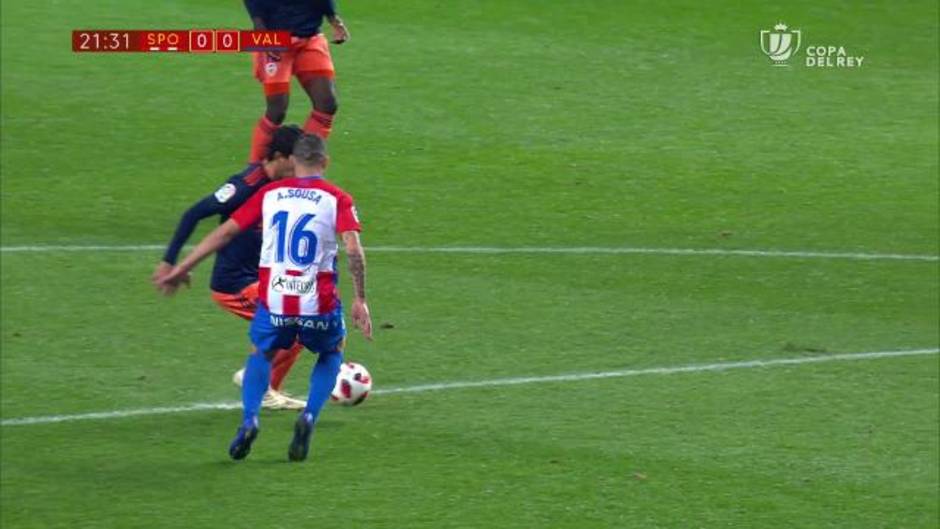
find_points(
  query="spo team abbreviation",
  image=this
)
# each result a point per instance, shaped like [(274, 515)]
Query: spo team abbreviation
[(189, 41)]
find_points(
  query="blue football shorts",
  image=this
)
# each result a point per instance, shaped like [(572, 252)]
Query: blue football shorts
[(320, 334)]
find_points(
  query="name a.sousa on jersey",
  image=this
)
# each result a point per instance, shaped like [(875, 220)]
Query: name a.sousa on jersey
[(306, 194)]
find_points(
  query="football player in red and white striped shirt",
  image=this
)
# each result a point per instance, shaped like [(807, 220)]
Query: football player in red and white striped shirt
[(303, 219)]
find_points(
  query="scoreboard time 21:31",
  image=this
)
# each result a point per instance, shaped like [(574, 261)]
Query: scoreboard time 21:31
[(191, 41)]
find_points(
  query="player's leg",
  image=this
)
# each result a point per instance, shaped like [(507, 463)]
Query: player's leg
[(275, 398), (283, 362), (313, 66), (274, 72), (329, 346), (322, 380), (267, 339), (275, 111), (243, 305), (254, 385), (322, 92)]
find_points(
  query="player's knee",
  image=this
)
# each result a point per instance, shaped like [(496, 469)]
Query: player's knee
[(276, 109), (276, 114), (326, 103)]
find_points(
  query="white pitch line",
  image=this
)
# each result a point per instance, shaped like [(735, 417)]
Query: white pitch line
[(82, 248), (443, 386), (694, 368), (120, 414), (578, 250), (651, 251)]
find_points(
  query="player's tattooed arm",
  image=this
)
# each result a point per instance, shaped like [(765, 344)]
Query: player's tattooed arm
[(357, 268), (357, 262)]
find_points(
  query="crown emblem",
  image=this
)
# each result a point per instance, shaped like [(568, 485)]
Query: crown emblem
[(780, 26)]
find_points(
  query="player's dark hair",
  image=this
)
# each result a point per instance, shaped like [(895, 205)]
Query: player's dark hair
[(310, 150), (283, 140)]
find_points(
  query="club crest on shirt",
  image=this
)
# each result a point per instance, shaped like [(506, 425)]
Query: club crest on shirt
[(225, 193), (270, 68)]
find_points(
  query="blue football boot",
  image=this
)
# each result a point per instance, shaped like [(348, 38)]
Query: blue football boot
[(246, 435), (300, 444)]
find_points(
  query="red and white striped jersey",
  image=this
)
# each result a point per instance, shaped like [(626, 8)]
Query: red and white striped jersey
[(301, 218)]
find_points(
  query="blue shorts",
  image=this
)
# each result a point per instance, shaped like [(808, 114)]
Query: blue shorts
[(320, 334)]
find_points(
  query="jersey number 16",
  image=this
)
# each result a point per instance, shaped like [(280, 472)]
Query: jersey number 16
[(302, 247)]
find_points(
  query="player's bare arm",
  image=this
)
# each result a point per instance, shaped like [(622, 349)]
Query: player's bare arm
[(340, 31), (356, 256), (219, 237)]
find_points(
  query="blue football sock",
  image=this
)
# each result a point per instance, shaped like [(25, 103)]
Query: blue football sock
[(255, 384), (322, 380)]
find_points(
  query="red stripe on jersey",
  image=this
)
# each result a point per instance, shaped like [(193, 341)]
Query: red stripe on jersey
[(326, 292), (264, 279), (292, 303)]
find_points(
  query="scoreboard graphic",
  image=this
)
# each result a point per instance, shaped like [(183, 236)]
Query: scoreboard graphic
[(183, 41)]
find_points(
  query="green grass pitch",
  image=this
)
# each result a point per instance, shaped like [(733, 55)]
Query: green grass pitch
[(488, 123)]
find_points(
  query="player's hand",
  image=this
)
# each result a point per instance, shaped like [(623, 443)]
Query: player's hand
[(169, 283), (162, 269), (340, 33), (361, 318), (160, 273)]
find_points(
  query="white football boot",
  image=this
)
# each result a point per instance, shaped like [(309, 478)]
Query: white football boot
[(273, 399), (286, 401)]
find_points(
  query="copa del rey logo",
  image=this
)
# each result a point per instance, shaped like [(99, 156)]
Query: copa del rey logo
[(782, 44)]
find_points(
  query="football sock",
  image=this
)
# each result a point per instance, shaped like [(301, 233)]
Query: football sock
[(261, 138), (319, 123), (255, 384), (283, 361), (322, 380)]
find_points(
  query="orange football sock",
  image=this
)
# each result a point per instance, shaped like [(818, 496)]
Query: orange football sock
[(319, 123), (283, 361), (260, 139)]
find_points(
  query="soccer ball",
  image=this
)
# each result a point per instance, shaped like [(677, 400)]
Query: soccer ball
[(353, 384)]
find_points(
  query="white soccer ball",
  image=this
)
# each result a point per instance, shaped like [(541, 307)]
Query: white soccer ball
[(353, 384)]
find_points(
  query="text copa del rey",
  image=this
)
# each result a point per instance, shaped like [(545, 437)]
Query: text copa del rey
[(831, 57)]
